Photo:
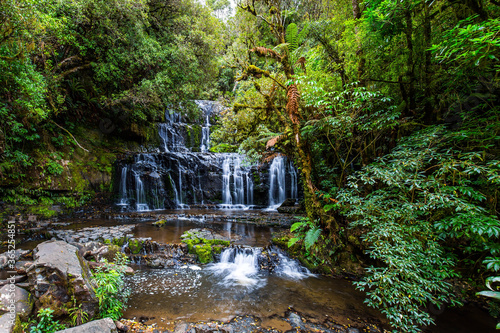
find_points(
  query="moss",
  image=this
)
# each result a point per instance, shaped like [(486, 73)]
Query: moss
[(18, 326), (204, 253), (119, 241), (112, 251), (160, 223), (135, 245)]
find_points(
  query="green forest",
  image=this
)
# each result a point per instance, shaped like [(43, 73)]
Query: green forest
[(389, 109)]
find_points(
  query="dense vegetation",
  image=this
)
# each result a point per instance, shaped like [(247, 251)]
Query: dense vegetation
[(389, 109), (391, 112), (77, 76)]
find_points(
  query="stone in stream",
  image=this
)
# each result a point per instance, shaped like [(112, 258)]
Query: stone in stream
[(58, 274), (22, 299), (105, 325), (6, 323)]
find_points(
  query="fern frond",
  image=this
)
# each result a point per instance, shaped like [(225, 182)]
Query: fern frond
[(303, 34), (292, 106), (273, 141), (291, 35), (302, 62)]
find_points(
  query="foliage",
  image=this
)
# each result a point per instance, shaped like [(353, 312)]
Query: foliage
[(110, 289), (46, 322)]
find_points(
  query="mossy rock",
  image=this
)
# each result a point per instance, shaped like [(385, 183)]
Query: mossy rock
[(204, 253), (119, 241), (135, 245), (111, 253), (160, 223)]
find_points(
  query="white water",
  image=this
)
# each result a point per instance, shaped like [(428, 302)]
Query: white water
[(237, 185), (277, 182), (240, 267), (123, 187), (205, 136)]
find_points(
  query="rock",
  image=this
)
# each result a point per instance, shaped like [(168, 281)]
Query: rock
[(105, 325), (6, 323), (295, 320), (21, 298), (17, 279), (181, 328), (22, 266), (288, 202), (120, 326), (59, 273), (16, 255), (352, 330)]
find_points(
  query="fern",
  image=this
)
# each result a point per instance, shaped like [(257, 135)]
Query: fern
[(291, 37), (312, 236)]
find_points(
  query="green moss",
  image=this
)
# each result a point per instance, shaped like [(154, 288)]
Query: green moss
[(160, 223), (204, 253), (135, 245), (119, 241)]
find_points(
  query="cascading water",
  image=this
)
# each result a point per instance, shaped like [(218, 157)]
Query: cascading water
[(279, 172), (237, 185), (240, 266), (205, 136), (123, 187), (180, 177), (293, 182), (277, 182)]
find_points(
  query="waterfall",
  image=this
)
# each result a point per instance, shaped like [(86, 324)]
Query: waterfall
[(123, 187), (140, 194), (293, 180), (277, 182), (238, 266), (205, 136), (237, 185)]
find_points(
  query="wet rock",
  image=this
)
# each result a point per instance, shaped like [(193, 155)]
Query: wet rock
[(105, 325), (59, 273), (21, 298), (6, 323), (295, 320), (352, 330)]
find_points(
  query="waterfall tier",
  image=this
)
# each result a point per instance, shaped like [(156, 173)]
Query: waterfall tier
[(180, 176)]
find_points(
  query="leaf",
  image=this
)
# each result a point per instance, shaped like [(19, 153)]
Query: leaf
[(296, 226), (311, 237), (491, 280), (492, 294), (292, 241)]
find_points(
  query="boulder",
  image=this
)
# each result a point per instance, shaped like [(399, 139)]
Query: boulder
[(22, 300), (58, 274), (105, 325), (6, 323)]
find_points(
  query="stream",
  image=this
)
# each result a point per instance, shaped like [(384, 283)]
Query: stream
[(234, 285)]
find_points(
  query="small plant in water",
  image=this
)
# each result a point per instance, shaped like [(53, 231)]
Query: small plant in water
[(111, 287), (46, 323)]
